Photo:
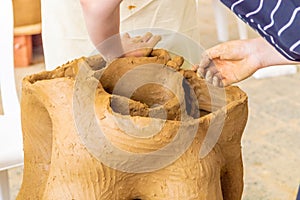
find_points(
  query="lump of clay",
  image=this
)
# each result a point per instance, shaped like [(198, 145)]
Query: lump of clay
[(154, 96), (62, 162)]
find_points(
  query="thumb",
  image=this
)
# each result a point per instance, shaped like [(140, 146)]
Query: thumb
[(209, 55)]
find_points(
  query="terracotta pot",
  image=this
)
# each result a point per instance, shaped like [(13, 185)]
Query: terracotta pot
[(194, 151)]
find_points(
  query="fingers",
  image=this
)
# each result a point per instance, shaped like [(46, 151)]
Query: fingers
[(154, 40), (126, 36), (146, 37), (151, 39), (204, 63), (206, 60), (137, 39), (201, 68), (218, 80), (207, 70), (214, 77), (201, 72), (140, 45)]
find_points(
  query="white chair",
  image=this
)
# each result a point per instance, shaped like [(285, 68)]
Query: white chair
[(11, 145), (222, 22)]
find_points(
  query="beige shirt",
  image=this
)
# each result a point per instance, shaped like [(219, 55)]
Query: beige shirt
[(65, 36)]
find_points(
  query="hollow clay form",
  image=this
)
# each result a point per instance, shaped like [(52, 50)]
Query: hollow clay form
[(59, 164)]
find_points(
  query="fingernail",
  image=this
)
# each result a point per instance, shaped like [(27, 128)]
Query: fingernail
[(221, 84), (208, 76), (215, 81), (200, 72), (158, 37)]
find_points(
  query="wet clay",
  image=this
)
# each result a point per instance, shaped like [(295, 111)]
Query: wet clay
[(59, 163)]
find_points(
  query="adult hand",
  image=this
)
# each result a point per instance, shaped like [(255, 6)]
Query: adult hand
[(229, 62), (140, 45), (234, 61)]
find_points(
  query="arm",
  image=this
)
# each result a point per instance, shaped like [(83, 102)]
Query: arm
[(233, 61), (102, 19)]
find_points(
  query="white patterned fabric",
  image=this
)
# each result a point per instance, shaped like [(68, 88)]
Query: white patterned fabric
[(65, 36)]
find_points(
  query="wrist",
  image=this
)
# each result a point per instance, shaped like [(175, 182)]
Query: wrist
[(261, 51), (267, 55)]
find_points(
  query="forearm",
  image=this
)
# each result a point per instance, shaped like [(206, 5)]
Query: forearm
[(267, 54), (102, 21), (270, 20), (102, 18)]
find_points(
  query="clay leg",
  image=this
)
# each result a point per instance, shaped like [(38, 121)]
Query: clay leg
[(37, 136)]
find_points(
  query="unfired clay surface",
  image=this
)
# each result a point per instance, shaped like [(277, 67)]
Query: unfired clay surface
[(58, 164)]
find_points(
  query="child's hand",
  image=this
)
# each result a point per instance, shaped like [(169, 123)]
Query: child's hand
[(140, 45)]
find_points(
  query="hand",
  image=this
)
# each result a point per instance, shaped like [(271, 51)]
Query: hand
[(229, 62), (140, 45)]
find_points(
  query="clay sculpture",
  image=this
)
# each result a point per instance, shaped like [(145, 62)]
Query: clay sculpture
[(65, 160)]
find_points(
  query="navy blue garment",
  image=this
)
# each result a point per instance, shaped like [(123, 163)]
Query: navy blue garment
[(278, 21)]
